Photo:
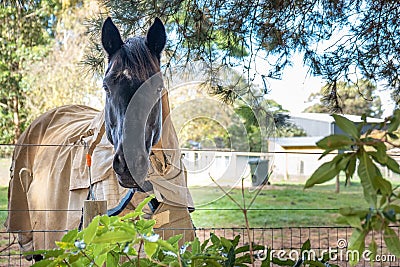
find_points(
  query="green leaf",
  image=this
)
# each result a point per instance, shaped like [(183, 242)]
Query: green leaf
[(380, 154), (324, 173), (112, 259), (356, 244), (166, 245), (344, 161), (246, 248), (44, 263), (196, 246), (173, 240), (392, 165), (73, 258), (313, 263), (231, 257), (390, 214), (113, 237), (267, 261), (373, 247), (226, 243), (146, 201), (105, 220), (381, 185), (347, 126), (349, 211), (235, 241), (392, 241), (287, 262), (243, 259), (90, 231), (385, 187), (54, 253), (335, 141), (204, 245), (306, 246), (393, 136), (100, 259), (393, 207), (212, 263), (394, 122), (150, 248), (65, 245), (145, 226), (367, 173), (351, 167), (353, 220), (214, 239), (70, 236), (132, 215), (128, 227)]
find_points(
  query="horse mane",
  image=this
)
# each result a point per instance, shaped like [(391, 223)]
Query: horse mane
[(135, 60)]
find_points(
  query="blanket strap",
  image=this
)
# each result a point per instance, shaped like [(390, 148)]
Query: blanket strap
[(89, 154), (122, 204), (127, 198), (97, 140)]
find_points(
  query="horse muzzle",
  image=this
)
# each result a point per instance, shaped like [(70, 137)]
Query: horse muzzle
[(133, 176)]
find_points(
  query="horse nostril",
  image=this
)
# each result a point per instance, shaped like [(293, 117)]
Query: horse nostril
[(119, 164)]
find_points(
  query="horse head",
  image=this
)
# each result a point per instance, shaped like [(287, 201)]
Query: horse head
[(133, 99)]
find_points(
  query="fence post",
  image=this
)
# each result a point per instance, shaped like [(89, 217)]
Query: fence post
[(92, 208)]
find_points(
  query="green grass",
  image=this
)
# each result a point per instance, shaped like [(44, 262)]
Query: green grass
[(3, 205), (285, 206)]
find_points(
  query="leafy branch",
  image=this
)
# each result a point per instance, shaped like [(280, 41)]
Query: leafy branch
[(370, 150), (130, 240)]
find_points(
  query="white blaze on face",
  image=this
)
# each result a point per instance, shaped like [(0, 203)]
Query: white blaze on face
[(127, 74)]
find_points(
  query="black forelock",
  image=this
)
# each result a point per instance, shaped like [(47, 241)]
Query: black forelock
[(135, 58)]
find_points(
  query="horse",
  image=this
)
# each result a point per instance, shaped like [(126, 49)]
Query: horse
[(131, 144)]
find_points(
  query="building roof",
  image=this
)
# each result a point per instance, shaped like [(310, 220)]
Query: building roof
[(317, 126), (325, 117), (298, 141)]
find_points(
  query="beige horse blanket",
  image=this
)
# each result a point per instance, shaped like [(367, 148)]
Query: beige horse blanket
[(50, 179)]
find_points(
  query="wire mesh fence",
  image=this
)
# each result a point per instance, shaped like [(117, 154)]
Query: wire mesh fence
[(284, 243)]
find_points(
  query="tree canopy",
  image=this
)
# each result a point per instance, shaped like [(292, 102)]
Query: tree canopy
[(25, 31), (354, 100), (339, 39), (41, 47), (59, 78)]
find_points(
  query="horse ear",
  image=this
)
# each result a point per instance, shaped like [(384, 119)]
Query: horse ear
[(156, 37), (110, 37)]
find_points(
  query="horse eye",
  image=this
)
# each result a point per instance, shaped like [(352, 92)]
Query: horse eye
[(105, 87)]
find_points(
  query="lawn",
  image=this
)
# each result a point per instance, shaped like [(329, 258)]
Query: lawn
[(3, 205), (276, 206)]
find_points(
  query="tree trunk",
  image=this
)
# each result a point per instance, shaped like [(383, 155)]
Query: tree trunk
[(337, 184)]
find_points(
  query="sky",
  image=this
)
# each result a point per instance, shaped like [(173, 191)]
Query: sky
[(293, 90)]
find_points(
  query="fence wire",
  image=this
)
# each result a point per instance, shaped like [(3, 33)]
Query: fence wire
[(284, 243)]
